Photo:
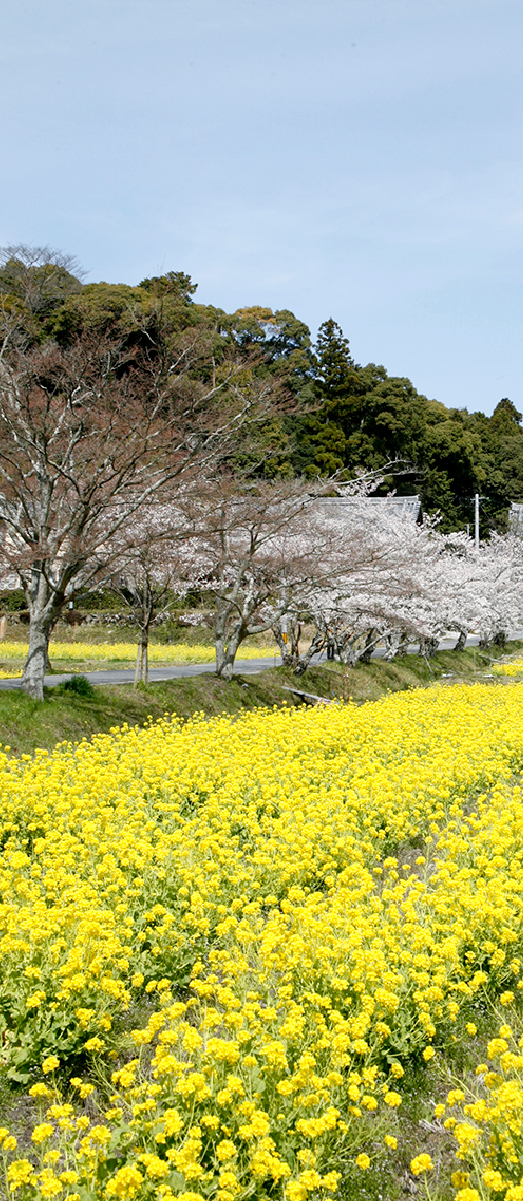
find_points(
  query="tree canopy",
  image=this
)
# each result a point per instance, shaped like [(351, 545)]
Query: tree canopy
[(340, 416)]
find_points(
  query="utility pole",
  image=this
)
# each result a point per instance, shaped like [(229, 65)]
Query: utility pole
[(476, 521)]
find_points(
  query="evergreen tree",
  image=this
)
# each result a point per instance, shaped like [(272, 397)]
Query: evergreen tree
[(334, 363)]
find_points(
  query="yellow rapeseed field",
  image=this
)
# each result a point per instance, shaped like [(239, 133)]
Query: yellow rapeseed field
[(224, 942), (125, 653), (514, 668)]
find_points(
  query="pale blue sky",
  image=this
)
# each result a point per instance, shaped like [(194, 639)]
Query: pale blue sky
[(355, 159)]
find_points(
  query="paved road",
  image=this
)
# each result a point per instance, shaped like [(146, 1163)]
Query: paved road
[(125, 675)]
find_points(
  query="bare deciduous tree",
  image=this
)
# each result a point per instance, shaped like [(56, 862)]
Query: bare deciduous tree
[(147, 572), (88, 435), (39, 276)]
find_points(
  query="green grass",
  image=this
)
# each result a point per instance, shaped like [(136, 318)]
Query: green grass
[(26, 724), (169, 634)]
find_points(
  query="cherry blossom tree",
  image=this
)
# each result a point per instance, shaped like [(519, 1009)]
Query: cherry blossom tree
[(493, 598), (368, 556), (254, 548), (417, 585), (394, 581), (274, 552)]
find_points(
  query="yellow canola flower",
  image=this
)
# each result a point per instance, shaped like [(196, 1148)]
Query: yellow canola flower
[(50, 1064), (218, 877), (39, 1091), (125, 652), (508, 669), (490, 1136), (363, 1161), (42, 1132), (125, 1184), (50, 1184), (20, 1172), (421, 1164)]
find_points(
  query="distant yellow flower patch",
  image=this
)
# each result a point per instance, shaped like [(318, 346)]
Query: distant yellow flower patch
[(125, 652), (508, 669)]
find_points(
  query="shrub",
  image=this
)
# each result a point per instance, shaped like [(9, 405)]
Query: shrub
[(79, 685)]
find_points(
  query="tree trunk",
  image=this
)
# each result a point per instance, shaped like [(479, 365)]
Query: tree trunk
[(144, 613), (344, 640), (347, 653), (403, 647), (396, 645), (428, 647), (317, 645), (225, 669), (370, 642), (392, 645), (284, 647), (288, 641), (230, 629), (141, 674), (461, 643), (220, 636), (40, 626), (226, 655)]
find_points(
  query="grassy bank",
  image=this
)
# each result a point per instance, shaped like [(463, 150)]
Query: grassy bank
[(25, 724)]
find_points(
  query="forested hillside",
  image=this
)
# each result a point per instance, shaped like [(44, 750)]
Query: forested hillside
[(336, 414)]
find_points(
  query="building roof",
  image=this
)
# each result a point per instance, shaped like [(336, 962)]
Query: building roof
[(408, 506)]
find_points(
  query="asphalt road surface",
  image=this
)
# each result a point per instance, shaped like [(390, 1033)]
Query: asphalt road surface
[(243, 667)]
